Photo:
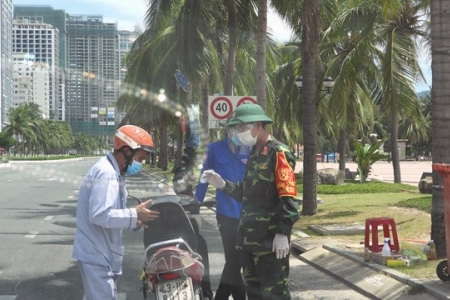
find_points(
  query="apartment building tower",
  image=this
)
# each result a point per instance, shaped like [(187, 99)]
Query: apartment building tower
[(125, 40), (39, 42), (6, 61), (31, 83), (45, 14), (93, 70)]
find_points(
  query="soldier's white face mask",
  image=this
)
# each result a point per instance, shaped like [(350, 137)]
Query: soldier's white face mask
[(246, 137)]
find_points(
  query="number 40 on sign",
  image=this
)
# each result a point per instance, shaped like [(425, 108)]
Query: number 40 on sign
[(221, 107)]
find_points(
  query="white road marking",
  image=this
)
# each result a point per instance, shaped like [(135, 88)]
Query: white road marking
[(8, 297), (48, 218), (70, 197), (119, 296), (31, 234)]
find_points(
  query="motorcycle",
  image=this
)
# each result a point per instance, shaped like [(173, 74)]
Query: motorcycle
[(176, 264), (173, 268)]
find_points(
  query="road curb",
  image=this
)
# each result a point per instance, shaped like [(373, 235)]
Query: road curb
[(435, 290), (411, 281)]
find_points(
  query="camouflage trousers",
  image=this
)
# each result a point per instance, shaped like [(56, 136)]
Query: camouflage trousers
[(266, 277)]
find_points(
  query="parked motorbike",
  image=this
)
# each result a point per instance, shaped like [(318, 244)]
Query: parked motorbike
[(176, 265), (173, 268)]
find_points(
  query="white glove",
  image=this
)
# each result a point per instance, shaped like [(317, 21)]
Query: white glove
[(280, 245), (213, 178)]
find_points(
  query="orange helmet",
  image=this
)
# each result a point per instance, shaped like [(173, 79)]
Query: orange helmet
[(133, 137)]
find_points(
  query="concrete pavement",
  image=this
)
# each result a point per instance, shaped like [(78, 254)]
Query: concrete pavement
[(410, 171), (372, 280)]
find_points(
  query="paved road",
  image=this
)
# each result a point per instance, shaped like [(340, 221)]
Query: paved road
[(411, 171), (37, 225)]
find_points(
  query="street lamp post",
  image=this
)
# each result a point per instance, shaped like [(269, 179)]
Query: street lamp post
[(328, 84)]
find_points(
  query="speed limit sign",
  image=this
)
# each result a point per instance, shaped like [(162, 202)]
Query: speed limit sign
[(246, 99), (221, 107)]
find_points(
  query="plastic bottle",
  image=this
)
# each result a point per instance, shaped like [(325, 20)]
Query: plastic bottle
[(386, 251)]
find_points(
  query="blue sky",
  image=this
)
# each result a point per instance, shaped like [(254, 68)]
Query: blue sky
[(425, 64), (128, 13)]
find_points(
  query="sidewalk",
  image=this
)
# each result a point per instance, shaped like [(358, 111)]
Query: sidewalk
[(370, 279), (410, 171)]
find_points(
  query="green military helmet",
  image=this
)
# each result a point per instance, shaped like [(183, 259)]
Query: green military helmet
[(224, 123), (249, 113)]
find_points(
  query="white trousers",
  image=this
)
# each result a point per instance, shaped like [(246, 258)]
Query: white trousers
[(99, 282)]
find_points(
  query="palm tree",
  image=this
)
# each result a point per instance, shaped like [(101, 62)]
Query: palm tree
[(261, 33), (440, 66), (365, 156), (400, 69), (346, 43), (175, 39), (189, 35), (240, 18), (310, 42), (22, 125)]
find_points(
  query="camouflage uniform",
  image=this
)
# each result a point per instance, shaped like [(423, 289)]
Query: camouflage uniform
[(269, 206)]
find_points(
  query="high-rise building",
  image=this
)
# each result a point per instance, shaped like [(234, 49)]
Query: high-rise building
[(44, 14), (90, 55), (31, 83), (6, 62), (93, 69), (40, 42), (125, 40)]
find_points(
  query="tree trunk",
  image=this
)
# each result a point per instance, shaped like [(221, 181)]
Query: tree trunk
[(261, 36), (394, 145), (341, 148), (440, 66), (204, 140), (180, 143), (232, 44), (163, 159), (310, 41)]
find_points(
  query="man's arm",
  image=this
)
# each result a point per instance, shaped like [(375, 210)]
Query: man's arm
[(287, 191)]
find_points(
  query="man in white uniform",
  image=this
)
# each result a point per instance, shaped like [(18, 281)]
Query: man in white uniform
[(102, 213)]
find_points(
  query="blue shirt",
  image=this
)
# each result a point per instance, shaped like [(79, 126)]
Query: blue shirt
[(230, 166), (101, 215)]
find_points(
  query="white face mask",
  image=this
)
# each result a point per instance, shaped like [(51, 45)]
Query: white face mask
[(246, 138)]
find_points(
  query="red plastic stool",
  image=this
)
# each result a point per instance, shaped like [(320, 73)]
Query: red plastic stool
[(372, 226)]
